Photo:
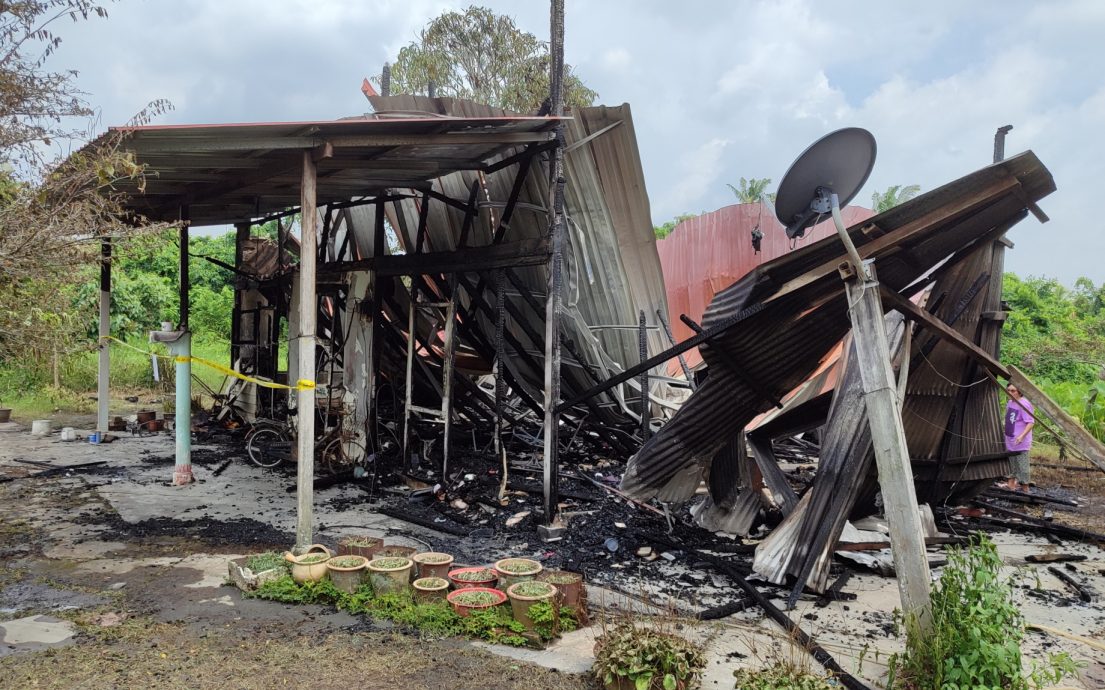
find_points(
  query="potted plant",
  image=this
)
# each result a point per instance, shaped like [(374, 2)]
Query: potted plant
[(569, 587), (389, 574), (347, 572), (359, 546), (514, 570), (310, 566), (523, 595), (250, 572), (395, 551), (432, 564), (463, 578), (5, 413), (628, 657), (470, 599), (430, 589)]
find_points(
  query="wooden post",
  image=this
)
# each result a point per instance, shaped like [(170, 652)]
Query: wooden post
[(553, 298), (884, 417), (103, 393), (305, 396), (448, 364), (185, 280), (240, 238)]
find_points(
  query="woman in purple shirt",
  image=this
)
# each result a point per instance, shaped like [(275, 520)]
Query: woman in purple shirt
[(1019, 420)]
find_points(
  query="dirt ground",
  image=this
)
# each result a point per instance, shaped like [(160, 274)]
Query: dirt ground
[(121, 579), (149, 608)]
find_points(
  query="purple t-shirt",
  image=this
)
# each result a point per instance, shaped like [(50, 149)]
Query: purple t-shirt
[(1016, 419)]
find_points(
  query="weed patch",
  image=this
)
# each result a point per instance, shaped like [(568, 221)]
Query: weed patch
[(976, 633), (782, 677)]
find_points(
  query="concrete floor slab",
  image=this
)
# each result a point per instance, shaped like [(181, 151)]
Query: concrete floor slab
[(34, 633)]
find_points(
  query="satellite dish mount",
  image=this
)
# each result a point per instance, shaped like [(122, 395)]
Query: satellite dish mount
[(834, 167)]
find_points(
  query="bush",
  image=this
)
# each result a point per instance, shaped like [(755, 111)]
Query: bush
[(976, 632), (649, 659)]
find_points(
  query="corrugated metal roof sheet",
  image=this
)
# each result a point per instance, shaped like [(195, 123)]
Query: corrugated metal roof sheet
[(234, 172)]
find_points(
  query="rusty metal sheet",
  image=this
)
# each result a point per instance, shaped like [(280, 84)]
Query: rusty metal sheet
[(708, 253)]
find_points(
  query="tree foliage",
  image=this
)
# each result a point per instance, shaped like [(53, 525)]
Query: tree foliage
[(478, 55), (53, 205), (753, 191), (894, 195), (666, 229)]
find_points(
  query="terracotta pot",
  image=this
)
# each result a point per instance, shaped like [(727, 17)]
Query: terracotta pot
[(464, 609), (308, 572), (347, 548), (432, 564), (511, 571), (521, 603), (146, 416), (567, 593), (348, 578), (396, 551), (386, 578), (488, 581), (430, 589), (5, 415)]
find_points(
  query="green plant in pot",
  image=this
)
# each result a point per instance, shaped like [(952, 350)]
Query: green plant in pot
[(396, 551), (463, 578), (430, 589), (511, 571), (524, 595), (628, 657), (309, 566), (389, 574), (470, 599), (360, 546), (347, 573), (432, 564), (569, 586)]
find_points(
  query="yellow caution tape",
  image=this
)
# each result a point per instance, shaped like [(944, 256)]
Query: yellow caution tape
[(301, 384)]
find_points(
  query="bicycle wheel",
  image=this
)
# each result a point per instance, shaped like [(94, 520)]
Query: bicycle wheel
[(339, 455), (268, 447)]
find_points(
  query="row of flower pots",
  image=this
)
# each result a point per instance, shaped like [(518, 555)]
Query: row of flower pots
[(520, 580)]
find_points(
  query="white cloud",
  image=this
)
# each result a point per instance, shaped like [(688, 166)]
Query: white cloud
[(719, 90)]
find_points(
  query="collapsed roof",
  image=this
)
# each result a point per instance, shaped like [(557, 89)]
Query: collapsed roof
[(784, 316)]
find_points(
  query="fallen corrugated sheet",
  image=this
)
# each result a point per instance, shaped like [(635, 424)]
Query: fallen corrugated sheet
[(791, 311)]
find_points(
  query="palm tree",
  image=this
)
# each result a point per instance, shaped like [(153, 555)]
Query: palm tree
[(752, 191), (894, 195)]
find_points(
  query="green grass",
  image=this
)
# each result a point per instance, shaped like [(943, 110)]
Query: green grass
[(28, 388)]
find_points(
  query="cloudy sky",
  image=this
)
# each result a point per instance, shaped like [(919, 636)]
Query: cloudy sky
[(719, 90)]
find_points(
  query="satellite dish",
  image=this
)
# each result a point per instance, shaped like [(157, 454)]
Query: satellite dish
[(837, 163)]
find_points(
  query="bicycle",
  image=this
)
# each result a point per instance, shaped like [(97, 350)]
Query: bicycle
[(269, 444)]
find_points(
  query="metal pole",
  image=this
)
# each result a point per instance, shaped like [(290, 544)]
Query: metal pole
[(642, 345), (553, 299), (999, 143), (103, 374), (500, 322), (305, 396), (182, 350)]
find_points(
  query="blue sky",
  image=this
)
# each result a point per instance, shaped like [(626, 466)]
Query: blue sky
[(719, 90)]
